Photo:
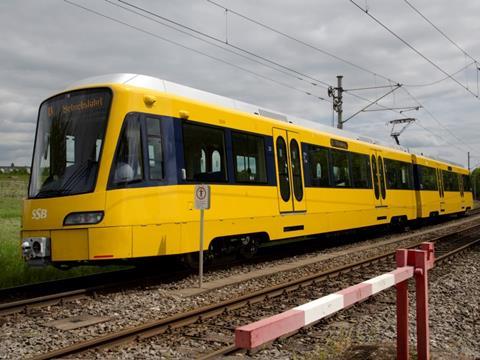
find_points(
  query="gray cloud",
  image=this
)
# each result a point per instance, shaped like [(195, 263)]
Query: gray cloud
[(47, 45)]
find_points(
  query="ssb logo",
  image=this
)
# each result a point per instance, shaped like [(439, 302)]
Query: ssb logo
[(39, 214)]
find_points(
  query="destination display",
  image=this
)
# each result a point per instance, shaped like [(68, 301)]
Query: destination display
[(73, 103)]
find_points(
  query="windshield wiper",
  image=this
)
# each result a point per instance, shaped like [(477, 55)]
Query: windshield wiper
[(79, 174), (49, 193)]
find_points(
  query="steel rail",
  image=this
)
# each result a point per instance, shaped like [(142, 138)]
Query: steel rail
[(102, 282), (157, 327), (456, 251), (27, 304), (232, 349), (50, 287), (85, 291)]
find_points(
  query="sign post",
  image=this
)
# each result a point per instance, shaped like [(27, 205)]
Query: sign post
[(202, 202)]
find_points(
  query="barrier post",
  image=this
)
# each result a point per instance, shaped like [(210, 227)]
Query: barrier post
[(423, 262), (402, 309), (410, 263)]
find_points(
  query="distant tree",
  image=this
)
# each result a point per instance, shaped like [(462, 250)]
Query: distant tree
[(20, 171), (12, 165)]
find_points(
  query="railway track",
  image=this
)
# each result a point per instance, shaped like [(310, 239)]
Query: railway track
[(194, 323), (48, 293), (28, 297)]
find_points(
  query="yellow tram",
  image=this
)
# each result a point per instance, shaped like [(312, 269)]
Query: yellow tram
[(116, 159)]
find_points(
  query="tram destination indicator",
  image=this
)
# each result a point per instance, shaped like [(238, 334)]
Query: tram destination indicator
[(202, 197)]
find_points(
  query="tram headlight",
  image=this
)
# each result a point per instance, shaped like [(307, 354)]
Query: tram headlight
[(81, 218)]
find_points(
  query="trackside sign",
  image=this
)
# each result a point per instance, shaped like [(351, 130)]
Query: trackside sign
[(202, 197)]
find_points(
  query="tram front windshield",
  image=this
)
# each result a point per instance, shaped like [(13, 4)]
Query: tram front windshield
[(68, 144)]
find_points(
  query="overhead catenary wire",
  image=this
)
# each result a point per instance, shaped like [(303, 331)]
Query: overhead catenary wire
[(214, 44), (146, 11), (439, 123), (444, 78), (464, 52), (226, 43), (478, 69), (401, 109), (330, 54), (136, 28), (437, 136), (419, 53), (293, 38), (197, 51), (207, 55), (370, 88), (372, 103), (238, 48), (419, 105), (250, 53), (418, 122), (309, 45)]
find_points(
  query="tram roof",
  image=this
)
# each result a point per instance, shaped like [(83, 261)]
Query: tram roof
[(149, 82)]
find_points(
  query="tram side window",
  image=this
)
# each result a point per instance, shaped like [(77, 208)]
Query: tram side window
[(467, 185), (428, 178), (340, 169), (319, 169), (361, 177), (450, 181), (204, 149), (128, 165), (154, 147), (249, 158), (399, 174)]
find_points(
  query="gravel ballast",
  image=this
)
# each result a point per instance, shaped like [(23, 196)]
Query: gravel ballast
[(24, 335), (368, 330)]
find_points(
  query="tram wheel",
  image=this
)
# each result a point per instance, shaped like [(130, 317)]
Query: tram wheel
[(249, 248)]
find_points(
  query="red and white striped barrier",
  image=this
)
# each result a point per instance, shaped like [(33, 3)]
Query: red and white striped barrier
[(260, 332), (265, 330)]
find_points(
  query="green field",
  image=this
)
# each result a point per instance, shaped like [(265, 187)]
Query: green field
[(13, 271)]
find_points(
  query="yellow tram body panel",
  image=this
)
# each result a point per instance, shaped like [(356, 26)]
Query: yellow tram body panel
[(160, 220)]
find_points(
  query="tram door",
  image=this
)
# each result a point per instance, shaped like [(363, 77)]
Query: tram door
[(418, 197), (379, 187), (289, 171), (441, 191), (462, 190)]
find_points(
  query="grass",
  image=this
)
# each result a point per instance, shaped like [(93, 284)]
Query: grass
[(13, 270)]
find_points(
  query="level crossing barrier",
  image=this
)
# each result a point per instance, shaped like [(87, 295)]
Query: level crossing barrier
[(410, 263)]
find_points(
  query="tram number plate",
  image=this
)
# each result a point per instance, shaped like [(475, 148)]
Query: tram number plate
[(202, 197)]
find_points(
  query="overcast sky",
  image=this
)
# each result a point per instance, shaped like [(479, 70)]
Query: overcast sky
[(47, 45)]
